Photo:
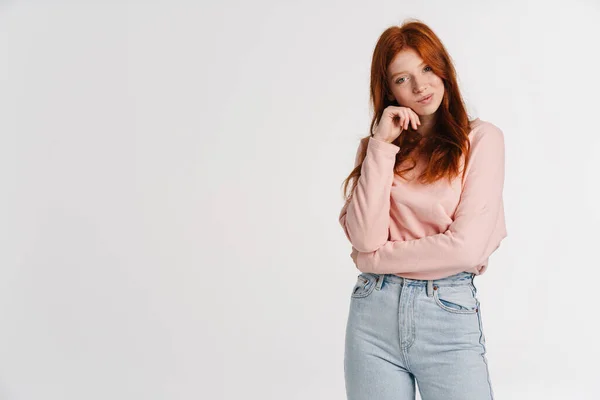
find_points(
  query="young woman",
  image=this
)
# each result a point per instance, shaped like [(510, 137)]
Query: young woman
[(424, 214)]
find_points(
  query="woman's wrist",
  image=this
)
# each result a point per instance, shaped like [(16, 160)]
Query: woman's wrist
[(381, 139)]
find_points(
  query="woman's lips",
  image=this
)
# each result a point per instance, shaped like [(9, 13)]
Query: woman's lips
[(426, 100)]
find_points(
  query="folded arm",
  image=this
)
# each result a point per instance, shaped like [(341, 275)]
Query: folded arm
[(365, 218), (469, 240)]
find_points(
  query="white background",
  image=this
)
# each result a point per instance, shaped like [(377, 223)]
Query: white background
[(171, 180)]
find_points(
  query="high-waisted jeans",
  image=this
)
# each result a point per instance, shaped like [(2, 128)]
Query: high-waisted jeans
[(400, 330)]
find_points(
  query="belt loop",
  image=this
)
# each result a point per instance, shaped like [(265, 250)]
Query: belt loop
[(429, 287), (379, 281)]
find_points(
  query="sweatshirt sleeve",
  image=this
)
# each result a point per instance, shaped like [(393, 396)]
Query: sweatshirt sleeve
[(365, 218), (469, 239)]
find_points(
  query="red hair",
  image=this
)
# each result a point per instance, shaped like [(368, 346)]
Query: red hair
[(450, 141)]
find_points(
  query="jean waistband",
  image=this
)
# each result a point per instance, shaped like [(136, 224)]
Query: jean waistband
[(462, 278)]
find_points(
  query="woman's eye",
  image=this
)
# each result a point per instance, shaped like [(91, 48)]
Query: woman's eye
[(400, 80)]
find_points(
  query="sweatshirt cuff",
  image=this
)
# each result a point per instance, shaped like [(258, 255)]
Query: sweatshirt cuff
[(385, 147)]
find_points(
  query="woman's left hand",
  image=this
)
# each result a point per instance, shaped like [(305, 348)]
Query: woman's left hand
[(361, 260), (354, 256)]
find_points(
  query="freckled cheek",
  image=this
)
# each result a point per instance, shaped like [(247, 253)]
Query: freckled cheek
[(403, 95)]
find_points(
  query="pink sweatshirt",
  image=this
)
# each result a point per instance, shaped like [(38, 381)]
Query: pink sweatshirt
[(432, 231)]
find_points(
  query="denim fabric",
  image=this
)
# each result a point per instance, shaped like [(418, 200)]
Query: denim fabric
[(403, 330)]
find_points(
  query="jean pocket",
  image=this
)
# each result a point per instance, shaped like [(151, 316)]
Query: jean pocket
[(365, 283), (459, 299)]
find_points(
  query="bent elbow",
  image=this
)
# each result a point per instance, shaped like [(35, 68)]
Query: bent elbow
[(364, 239), (366, 245)]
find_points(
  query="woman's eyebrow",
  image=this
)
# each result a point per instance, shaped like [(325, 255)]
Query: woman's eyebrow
[(402, 72)]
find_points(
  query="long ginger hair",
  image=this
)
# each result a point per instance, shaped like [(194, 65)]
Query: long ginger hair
[(450, 141)]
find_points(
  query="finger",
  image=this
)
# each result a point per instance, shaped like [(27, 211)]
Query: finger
[(418, 119), (401, 121), (414, 118)]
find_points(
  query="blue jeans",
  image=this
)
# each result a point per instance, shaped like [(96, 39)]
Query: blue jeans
[(400, 330)]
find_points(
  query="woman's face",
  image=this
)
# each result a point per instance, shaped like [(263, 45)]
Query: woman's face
[(410, 80)]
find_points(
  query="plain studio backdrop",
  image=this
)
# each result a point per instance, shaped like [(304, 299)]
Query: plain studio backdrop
[(171, 181)]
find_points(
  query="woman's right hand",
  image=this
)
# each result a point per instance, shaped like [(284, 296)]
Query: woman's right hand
[(393, 121)]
